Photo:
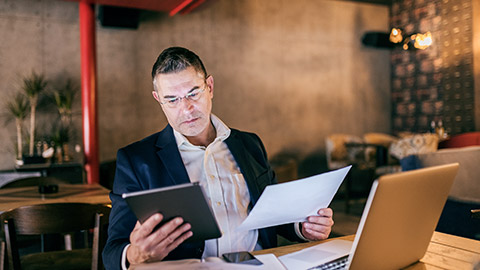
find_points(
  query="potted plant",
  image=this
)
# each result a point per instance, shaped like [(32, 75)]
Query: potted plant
[(63, 98), (60, 138), (33, 86), (18, 109)]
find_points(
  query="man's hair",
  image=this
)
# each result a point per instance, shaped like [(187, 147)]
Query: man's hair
[(175, 59)]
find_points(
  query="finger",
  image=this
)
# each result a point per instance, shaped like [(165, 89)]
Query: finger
[(325, 221), (165, 231), (316, 231), (180, 239), (316, 227), (325, 212), (172, 241), (178, 232), (316, 235), (144, 230)]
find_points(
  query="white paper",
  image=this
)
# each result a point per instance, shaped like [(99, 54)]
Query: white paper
[(294, 201), (316, 255), (270, 262)]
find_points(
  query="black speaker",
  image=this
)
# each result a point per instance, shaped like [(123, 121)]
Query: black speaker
[(120, 17), (377, 40)]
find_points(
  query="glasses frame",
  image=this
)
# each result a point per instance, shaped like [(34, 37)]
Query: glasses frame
[(174, 102)]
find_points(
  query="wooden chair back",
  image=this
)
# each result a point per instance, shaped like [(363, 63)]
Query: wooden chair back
[(34, 181), (55, 218)]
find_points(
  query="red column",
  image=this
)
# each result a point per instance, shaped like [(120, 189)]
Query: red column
[(89, 90)]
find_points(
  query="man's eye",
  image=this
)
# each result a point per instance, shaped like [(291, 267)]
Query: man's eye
[(193, 94), (172, 101)]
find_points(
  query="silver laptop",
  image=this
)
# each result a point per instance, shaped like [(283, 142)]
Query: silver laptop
[(396, 227)]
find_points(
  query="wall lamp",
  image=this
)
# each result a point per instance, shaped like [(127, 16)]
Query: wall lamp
[(418, 41)]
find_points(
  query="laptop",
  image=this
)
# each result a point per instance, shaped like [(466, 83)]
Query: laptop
[(396, 227)]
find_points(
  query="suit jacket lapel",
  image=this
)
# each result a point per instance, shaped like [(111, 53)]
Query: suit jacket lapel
[(170, 156), (245, 161)]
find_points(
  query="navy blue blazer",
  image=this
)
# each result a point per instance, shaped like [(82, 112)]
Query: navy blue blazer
[(156, 162)]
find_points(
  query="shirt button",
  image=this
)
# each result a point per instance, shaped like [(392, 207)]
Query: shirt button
[(219, 203), (212, 176)]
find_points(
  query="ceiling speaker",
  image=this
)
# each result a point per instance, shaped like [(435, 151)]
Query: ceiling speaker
[(119, 17), (377, 40)]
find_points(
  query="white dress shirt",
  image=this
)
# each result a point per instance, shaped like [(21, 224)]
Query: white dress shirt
[(217, 172)]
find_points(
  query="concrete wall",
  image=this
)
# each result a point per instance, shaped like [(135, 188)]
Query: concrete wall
[(293, 72), (476, 59)]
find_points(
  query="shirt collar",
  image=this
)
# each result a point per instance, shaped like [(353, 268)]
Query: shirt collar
[(222, 130)]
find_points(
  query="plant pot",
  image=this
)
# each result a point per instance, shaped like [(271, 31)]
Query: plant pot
[(33, 160)]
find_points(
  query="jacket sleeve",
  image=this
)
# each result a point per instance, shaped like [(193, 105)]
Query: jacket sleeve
[(286, 230), (121, 220)]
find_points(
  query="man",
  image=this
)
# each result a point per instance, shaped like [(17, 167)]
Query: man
[(196, 146)]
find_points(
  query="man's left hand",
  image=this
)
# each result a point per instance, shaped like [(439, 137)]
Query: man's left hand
[(318, 227)]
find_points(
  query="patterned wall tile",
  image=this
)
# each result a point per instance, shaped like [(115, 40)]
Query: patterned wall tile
[(437, 83)]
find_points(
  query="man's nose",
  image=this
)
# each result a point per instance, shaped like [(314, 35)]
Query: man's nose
[(186, 104)]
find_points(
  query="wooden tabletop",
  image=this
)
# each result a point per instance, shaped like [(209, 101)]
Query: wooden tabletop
[(15, 197), (444, 252)]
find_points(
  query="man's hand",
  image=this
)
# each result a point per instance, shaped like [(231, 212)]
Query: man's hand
[(318, 227), (147, 245)]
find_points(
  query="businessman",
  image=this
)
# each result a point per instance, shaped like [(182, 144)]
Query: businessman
[(195, 146)]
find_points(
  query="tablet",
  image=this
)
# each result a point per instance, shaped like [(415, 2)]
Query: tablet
[(187, 201)]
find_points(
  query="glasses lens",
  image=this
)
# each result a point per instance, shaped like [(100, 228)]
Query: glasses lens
[(194, 95), (172, 102)]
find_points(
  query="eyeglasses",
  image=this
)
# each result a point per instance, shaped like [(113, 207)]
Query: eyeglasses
[(194, 95)]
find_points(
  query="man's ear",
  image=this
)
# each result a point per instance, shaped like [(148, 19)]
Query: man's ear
[(210, 84), (155, 96)]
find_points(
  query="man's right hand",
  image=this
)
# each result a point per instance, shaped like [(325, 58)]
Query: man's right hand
[(147, 244)]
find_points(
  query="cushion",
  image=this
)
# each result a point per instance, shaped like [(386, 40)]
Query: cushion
[(414, 144)]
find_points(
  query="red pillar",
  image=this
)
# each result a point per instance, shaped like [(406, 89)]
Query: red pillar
[(89, 90)]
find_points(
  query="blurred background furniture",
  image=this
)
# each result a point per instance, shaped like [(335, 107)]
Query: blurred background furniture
[(385, 163), (107, 173), (343, 150), (464, 196), (69, 171), (465, 193), (33, 181), (52, 219), (72, 173), (11, 198), (461, 140), (8, 176)]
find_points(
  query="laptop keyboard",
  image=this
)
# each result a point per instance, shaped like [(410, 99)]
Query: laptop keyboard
[(340, 263)]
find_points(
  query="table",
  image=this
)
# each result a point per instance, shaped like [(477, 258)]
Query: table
[(444, 252), (15, 197)]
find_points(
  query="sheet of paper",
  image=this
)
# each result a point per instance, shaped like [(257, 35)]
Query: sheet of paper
[(270, 262), (294, 201), (194, 264)]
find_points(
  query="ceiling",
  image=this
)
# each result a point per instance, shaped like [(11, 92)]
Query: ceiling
[(171, 6), (182, 6), (379, 2)]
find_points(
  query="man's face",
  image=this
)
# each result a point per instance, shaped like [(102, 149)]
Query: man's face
[(189, 117)]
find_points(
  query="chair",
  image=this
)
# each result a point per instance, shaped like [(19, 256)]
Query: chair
[(2, 254), (33, 181), (475, 213), (461, 140), (107, 173), (338, 156), (343, 150), (56, 218)]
